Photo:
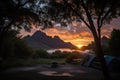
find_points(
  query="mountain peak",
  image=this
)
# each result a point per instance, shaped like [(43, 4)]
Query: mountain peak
[(40, 37), (39, 33), (56, 37)]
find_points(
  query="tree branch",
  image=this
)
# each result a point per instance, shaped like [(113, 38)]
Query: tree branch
[(20, 5), (6, 28), (103, 18), (77, 14), (100, 15), (81, 18), (92, 27), (99, 21)]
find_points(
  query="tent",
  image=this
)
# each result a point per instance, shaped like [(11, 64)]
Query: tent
[(113, 63)]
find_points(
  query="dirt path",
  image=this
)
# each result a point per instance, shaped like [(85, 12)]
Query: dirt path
[(62, 70)]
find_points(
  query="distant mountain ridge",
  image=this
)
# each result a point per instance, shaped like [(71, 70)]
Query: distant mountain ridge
[(40, 40)]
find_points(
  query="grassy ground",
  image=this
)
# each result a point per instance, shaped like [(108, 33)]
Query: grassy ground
[(30, 62), (33, 75)]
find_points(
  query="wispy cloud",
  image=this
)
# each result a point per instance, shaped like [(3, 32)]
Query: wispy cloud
[(78, 33), (68, 36)]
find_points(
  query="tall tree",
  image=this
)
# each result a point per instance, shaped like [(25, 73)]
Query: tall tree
[(19, 14), (14, 14), (89, 12)]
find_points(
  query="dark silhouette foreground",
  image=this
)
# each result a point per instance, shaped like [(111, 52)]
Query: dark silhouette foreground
[(45, 72)]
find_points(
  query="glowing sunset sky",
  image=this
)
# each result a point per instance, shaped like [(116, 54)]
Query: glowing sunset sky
[(77, 33), (77, 39)]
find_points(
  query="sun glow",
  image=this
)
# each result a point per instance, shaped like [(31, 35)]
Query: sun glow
[(79, 46)]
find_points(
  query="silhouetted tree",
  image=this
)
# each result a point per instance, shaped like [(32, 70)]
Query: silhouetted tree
[(104, 44), (90, 47), (23, 14), (16, 15), (21, 49), (114, 42), (7, 45), (89, 12), (14, 48)]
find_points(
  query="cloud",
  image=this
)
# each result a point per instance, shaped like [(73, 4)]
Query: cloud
[(77, 32), (107, 28), (68, 36)]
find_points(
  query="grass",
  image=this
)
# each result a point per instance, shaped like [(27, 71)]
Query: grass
[(33, 75), (48, 61), (30, 62)]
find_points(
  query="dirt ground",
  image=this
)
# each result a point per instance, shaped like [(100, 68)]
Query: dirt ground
[(45, 72)]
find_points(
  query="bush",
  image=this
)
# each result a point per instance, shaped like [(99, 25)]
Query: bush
[(56, 54), (60, 54), (41, 54), (73, 55), (13, 47), (65, 54), (22, 50)]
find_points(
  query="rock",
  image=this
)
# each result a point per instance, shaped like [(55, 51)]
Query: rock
[(54, 65)]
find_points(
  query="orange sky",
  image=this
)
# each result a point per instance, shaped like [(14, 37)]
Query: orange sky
[(77, 34), (65, 35)]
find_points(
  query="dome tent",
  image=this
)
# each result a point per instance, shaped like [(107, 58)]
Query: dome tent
[(113, 63)]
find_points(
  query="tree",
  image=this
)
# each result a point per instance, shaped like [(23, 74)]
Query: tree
[(21, 49), (14, 48), (22, 14), (104, 44), (114, 42), (89, 12), (7, 45), (16, 15), (90, 47)]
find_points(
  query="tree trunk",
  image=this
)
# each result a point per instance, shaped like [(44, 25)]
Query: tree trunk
[(100, 55), (3, 31)]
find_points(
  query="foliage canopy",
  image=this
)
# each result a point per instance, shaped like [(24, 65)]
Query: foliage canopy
[(114, 42)]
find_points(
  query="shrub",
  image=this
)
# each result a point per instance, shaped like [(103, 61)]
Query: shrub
[(73, 55), (41, 54), (22, 50), (56, 54), (60, 54)]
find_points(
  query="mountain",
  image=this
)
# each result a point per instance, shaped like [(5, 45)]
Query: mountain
[(40, 40)]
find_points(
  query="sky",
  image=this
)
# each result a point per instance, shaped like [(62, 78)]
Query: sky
[(77, 33)]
